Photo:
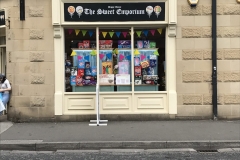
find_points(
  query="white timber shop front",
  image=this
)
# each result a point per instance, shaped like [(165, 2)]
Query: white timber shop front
[(127, 47)]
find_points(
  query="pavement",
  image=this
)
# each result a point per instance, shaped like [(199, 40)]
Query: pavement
[(197, 134)]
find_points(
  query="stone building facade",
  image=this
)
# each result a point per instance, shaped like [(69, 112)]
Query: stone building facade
[(194, 45), (30, 62), (29, 48)]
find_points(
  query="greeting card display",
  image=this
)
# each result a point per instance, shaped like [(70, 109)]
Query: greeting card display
[(80, 45), (144, 64), (138, 80), (79, 81), (136, 61), (86, 43), (81, 64), (93, 44), (73, 80), (124, 43), (107, 67), (139, 44), (152, 62), (146, 44), (84, 74), (90, 80), (106, 79), (150, 77), (137, 71), (150, 71), (73, 71), (80, 72), (87, 72), (87, 65), (148, 82), (152, 44), (94, 71), (68, 63), (152, 57), (105, 44), (144, 71), (123, 67), (123, 79)]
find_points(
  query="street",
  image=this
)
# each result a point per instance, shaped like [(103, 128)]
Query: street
[(120, 155)]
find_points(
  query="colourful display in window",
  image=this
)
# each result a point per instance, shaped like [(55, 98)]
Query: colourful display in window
[(121, 61)]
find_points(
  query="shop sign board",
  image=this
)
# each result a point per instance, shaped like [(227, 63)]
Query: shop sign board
[(2, 18), (98, 12)]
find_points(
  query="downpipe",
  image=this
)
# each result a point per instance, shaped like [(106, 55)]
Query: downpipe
[(214, 60)]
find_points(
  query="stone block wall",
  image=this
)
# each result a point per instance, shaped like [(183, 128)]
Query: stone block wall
[(30, 66), (194, 66)]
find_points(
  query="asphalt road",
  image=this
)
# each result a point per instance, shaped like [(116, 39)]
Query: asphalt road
[(118, 155)]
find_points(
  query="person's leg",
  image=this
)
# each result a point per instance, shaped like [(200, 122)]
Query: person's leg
[(2, 105), (5, 98)]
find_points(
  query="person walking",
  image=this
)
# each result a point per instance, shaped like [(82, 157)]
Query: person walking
[(5, 88)]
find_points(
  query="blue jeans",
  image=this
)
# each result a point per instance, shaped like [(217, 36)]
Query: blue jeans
[(5, 98)]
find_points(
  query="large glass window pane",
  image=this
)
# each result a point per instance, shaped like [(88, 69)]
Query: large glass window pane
[(149, 59), (80, 60), (115, 60)]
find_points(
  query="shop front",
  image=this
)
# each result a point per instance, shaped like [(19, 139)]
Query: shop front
[(125, 47)]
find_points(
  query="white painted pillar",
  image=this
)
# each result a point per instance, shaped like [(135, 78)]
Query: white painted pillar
[(171, 57), (58, 58)]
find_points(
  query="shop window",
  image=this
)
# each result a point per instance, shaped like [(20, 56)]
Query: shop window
[(149, 59), (122, 63), (80, 60), (115, 60)]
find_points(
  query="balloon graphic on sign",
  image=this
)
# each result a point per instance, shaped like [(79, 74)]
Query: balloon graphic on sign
[(149, 10), (79, 10), (71, 10), (157, 10)]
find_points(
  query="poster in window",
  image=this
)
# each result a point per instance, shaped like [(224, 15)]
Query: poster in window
[(106, 79), (137, 71), (123, 79), (123, 67), (73, 71), (107, 67)]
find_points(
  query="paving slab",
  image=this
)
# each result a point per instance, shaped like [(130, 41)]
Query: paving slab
[(125, 131), (204, 134)]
